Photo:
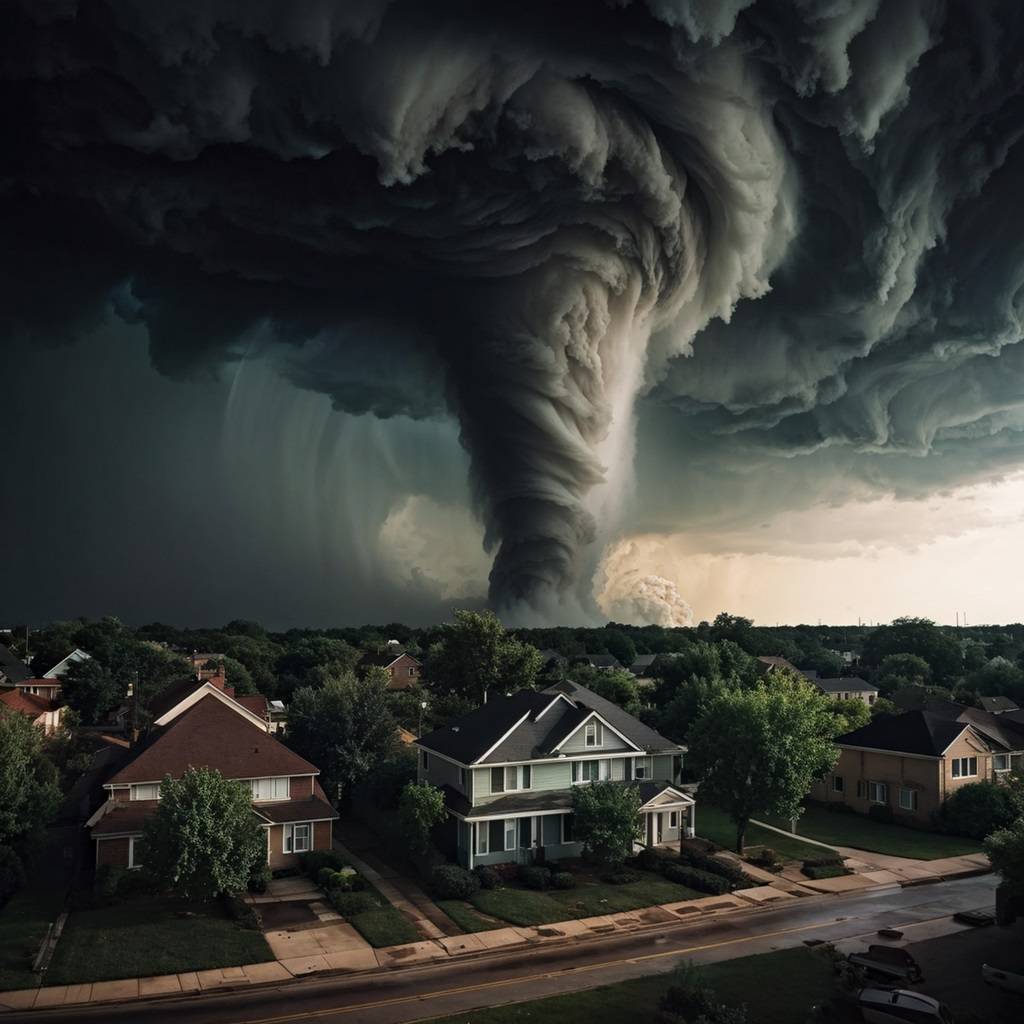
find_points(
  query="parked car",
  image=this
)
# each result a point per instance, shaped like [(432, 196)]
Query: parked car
[(901, 1006), (1012, 981), (890, 962)]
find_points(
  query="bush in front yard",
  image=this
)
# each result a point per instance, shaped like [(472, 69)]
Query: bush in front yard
[(648, 860), (324, 878), (488, 877), (244, 913), (314, 860), (260, 878), (694, 878), (12, 874), (705, 862), (450, 882), (826, 871), (348, 904), (766, 858), (620, 876), (563, 880), (824, 862), (535, 876), (979, 809)]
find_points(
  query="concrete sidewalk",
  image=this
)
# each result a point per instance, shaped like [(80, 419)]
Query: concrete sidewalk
[(311, 957)]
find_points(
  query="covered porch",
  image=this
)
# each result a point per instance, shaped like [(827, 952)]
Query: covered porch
[(668, 817)]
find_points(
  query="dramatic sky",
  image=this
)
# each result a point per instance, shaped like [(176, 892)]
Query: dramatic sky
[(355, 310)]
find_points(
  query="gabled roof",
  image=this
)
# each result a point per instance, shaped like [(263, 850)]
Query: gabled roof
[(771, 661), (211, 734), (530, 725), (997, 704), (852, 684), (1005, 729), (913, 732), (187, 691), (12, 666), (28, 703), (76, 655), (52, 684), (603, 660)]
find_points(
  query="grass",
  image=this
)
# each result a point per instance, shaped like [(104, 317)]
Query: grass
[(753, 980), (464, 916), (589, 899), (864, 833), (23, 924), (717, 826), (152, 936), (384, 927)]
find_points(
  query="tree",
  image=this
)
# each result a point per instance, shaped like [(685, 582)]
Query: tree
[(998, 677), (29, 795), (420, 808), (915, 636), (883, 706), (981, 808), (345, 727), (204, 839), (1005, 849), (621, 646), (238, 676), (476, 656), (760, 750), (677, 717), (616, 685), (92, 690), (901, 670), (606, 820), (850, 714)]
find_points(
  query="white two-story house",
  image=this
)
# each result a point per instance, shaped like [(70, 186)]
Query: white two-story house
[(508, 770)]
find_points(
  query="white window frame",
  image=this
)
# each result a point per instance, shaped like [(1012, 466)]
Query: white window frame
[(511, 826), (673, 819), (1006, 762), (279, 788), (133, 864), (139, 786), (288, 844), (911, 794), (960, 764), (643, 768), (880, 790), (604, 770), (838, 784), (515, 772), (483, 831), (593, 735)]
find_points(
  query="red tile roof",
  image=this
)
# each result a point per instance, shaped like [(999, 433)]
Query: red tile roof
[(211, 734), (256, 703), (27, 703)]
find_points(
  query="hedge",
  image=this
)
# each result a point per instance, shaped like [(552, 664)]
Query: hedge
[(723, 868), (826, 871), (349, 904), (312, 862), (450, 882), (694, 878)]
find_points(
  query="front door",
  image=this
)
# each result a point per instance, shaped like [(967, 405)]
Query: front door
[(525, 838), (657, 827)]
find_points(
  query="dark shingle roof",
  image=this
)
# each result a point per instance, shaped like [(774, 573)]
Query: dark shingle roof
[(603, 660), (913, 732), (852, 684), (13, 667), (172, 695), (997, 704), (125, 816), (472, 736)]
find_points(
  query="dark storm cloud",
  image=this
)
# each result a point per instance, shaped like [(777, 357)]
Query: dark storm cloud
[(526, 212)]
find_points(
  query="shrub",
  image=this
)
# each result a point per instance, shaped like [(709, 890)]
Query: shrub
[(978, 809), (12, 874), (563, 880), (314, 860), (826, 871), (244, 913), (487, 877), (451, 882), (620, 876), (766, 858), (648, 860), (725, 869), (694, 878), (690, 998), (108, 879), (348, 904), (260, 878), (882, 813), (824, 862), (325, 878), (535, 876), (134, 884)]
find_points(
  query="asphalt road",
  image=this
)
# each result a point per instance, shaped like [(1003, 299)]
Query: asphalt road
[(418, 993)]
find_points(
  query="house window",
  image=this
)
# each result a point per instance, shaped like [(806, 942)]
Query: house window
[(411, 671), (482, 834), (592, 734), (296, 837), (673, 819), (1000, 762), (643, 767), (838, 785), (510, 833), (136, 851), (146, 791), (567, 828), (270, 789), (878, 792), (908, 799), (591, 771), (424, 760), (871, 698), (964, 767), (511, 779)]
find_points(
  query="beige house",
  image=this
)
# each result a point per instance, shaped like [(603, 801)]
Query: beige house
[(912, 762)]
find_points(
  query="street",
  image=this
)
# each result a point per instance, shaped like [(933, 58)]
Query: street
[(419, 993)]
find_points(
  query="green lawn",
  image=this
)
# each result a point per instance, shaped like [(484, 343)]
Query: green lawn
[(23, 924), (464, 916), (147, 937), (589, 899), (717, 826), (385, 927), (753, 980), (865, 833)]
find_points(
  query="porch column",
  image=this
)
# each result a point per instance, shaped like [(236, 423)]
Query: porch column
[(471, 829), (649, 828)]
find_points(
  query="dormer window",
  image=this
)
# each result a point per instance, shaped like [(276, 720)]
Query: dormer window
[(592, 734), (146, 791), (270, 789)]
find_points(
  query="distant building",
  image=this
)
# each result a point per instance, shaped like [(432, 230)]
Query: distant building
[(48, 688), (61, 668), (12, 668), (769, 662), (997, 705), (44, 712), (851, 688), (606, 662), (404, 669)]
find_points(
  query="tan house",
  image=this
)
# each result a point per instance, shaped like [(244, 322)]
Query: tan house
[(44, 712), (847, 688), (198, 723), (912, 762)]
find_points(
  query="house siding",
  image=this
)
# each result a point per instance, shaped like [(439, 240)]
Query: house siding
[(112, 851), (577, 743), (440, 772)]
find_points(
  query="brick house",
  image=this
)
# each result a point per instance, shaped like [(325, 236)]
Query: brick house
[(45, 687), (404, 669), (912, 762), (199, 723), (44, 711)]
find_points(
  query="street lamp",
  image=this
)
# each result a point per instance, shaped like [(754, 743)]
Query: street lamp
[(423, 707)]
